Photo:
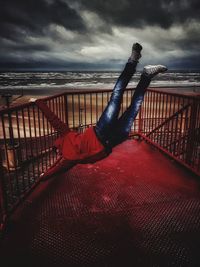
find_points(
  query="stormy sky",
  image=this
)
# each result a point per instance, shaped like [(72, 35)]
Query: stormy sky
[(98, 34)]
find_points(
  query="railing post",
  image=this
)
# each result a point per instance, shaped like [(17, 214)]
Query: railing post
[(191, 133), (81, 121), (140, 122), (3, 200), (66, 108)]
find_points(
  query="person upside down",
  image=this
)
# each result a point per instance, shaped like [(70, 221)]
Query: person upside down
[(110, 130)]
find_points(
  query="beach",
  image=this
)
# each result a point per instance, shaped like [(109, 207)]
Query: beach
[(23, 86), (32, 95)]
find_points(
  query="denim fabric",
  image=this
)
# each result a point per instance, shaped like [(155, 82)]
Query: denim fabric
[(110, 115), (110, 129), (123, 126)]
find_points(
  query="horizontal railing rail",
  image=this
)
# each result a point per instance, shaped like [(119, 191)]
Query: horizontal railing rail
[(171, 122)]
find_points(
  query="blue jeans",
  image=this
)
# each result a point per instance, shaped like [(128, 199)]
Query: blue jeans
[(110, 129)]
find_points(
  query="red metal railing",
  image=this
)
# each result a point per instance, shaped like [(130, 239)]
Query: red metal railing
[(170, 122)]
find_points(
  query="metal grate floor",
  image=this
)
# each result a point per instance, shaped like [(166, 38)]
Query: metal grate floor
[(134, 208)]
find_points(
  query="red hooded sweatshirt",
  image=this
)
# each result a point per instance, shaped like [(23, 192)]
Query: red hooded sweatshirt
[(81, 147), (76, 148)]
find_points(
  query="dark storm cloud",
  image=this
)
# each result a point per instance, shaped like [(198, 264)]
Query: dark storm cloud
[(69, 32), (139, 13), (21, 17)]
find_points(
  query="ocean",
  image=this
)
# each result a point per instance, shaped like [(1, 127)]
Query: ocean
[(54, 82)]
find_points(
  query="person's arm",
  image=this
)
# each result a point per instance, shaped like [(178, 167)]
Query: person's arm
[(61, 165), (57, 124)]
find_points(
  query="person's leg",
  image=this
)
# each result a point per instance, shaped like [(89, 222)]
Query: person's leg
[(111, 112), (125, 122), (57, 124)]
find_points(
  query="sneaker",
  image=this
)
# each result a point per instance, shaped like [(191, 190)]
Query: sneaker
[(136, 52), (153, 70)]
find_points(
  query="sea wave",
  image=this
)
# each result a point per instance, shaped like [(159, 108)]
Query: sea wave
[(13, 81)]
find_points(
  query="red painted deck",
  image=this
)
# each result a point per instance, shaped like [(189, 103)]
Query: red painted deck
[(134, 208)]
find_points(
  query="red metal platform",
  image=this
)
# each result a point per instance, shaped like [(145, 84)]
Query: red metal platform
[(134, 208)]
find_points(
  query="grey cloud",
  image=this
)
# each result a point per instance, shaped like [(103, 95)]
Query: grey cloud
[(21, 17), (52, 32), (139, 13)]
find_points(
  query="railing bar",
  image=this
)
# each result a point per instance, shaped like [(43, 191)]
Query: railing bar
[(122, 106), (79, 112), (163, 119), (196, 139), (150, 111), (96, 107), (144, 115), (26, 150), (85, 109), (66, 109), (191, 132), (31, 143), (176, 125), (40, 137), (156, 113), (170, 122), (181, 126), (53, 134), (153, 114), (126, 92), (50, 135), (73, 111), (20, 143), (54, 110), (15, 154), (48, 139), (3, 195), (102, 101), (186, 126), (160, 116), (147, 113), (159, 110), (44, 137), (91, 108), (167, 125), (7, 161), (60, 108), (36, 143), (57, 108)]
